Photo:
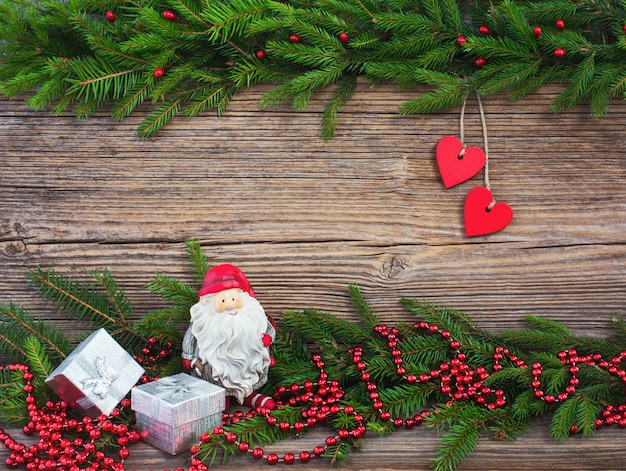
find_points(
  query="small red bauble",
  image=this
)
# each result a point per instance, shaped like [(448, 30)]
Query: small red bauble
[(559, 52), (560, 24), (257, 453), (243, 447), (294, 38), (480, 61), (261, 54), (344, 38), (110, 16), (461, 40), (272, 458), (305, 456), (624, 28), (159, 72), (537, 31), (484, 30), (169, 15)]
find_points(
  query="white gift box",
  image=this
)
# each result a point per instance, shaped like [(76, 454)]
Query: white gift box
[(96, 376), (174, 411)]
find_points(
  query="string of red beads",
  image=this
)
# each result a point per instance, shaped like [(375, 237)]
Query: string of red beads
[(610, 414), (320, 399), (55, 451)]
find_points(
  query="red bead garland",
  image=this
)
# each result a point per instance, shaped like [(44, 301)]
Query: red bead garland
[(55, 451), (320, 398), (70, 444), (611, 414)]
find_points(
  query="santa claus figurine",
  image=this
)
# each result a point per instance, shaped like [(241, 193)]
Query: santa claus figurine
[(229, 335)]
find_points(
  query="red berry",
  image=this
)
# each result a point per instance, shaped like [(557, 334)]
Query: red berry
[(169, 15), (624, 28), (344, 38), (560, 24), (294, 38), (159, 72), (537, 31), (261, 54), (480, 61), (461, 40), (110, 16), (484, 30), (559, 52)]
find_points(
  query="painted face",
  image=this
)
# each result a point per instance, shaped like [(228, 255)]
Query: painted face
[(228, 300)]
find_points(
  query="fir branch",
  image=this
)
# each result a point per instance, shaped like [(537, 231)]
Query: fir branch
[(457, 444), (446, 318), (342, 94), (367, 314), (17, 325), (173, 291), (40, 364), (199, 262), (159, 118), (323, 328), (38, 359), (101, 305)]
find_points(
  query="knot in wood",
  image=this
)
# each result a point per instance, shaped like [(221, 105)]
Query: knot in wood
[(393, 266)]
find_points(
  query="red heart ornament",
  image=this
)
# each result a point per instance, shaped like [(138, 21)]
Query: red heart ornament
[(455, 169), (479, 219)]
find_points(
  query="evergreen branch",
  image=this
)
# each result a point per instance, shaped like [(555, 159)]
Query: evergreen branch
[(18, 324), (448, 318), (343, 93), (198, 260), (159, 118), (101, 309), (367, 314), (38, 360), (121, 305), (457, 444)]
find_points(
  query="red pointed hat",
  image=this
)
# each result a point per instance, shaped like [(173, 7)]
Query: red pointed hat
[(223, 277)]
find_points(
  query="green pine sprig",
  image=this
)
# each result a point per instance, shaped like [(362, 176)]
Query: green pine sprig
[(67, 55)]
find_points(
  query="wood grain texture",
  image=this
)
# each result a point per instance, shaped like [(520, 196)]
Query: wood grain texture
[(304, 218)]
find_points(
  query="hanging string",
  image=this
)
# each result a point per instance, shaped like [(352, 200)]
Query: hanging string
[(483, 123)]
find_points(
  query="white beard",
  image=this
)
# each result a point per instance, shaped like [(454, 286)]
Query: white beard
[(231, 345)]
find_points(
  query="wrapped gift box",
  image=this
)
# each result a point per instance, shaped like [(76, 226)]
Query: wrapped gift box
[(173, 411), (96, 376)]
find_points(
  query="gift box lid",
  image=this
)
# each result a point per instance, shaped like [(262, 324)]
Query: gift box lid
[(178, 399), (96, 375)]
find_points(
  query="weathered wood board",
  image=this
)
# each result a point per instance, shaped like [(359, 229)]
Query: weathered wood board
[(304, 218)]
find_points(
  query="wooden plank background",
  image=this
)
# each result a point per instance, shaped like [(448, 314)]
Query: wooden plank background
[(304, 218)]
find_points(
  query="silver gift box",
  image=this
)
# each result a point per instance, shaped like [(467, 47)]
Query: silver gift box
[(173, 411), (96, 376)]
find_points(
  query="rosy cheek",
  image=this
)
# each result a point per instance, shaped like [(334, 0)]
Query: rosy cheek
[(219, 307), (239, 303)]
